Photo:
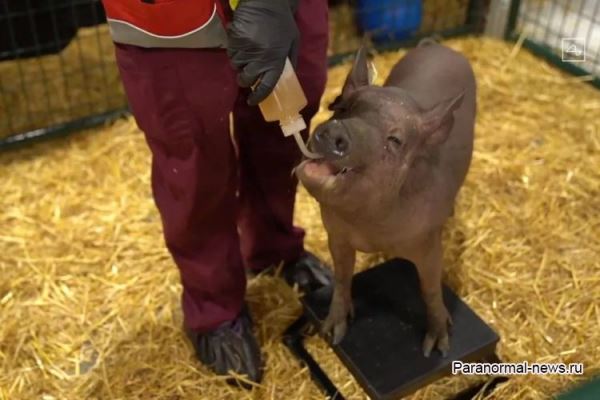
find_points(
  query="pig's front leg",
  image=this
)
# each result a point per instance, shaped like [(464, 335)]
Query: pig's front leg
[(344, 257), (427, 257)]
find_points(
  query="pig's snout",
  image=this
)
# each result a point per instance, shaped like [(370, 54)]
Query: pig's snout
[(331, 139)]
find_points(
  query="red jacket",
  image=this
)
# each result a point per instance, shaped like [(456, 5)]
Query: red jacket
[(167, 23)]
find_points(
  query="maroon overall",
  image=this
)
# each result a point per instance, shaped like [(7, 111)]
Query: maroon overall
[(221, 211)]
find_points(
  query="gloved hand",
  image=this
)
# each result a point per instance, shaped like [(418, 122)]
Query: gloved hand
[(262, 34)]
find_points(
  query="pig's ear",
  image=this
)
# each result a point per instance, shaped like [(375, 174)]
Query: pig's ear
[(359, 75), (436, 123)]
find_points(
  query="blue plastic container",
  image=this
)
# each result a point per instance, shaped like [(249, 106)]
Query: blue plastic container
[(389, 20)]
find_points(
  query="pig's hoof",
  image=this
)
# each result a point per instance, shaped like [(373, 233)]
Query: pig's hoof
[(438, 338), (334, 329), (440, 342)]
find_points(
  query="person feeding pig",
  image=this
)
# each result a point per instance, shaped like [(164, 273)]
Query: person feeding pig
[(186, 66)]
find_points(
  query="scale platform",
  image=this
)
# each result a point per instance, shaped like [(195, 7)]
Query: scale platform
[(382, 347)]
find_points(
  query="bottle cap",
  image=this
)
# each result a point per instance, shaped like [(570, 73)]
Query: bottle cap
[(294, 126)]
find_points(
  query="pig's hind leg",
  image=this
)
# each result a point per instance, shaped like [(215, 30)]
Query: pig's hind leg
[(344, 258), (427, 257)]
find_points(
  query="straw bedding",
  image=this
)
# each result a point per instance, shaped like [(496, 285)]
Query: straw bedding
[(89, 298)]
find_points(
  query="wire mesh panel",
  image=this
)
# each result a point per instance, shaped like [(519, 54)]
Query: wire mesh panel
[(56, 64), (58, 72), (565, 31)]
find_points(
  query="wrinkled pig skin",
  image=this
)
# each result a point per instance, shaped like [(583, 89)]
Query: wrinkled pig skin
[(394, 159)]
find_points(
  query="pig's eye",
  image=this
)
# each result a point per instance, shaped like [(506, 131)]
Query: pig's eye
[(395, 140)]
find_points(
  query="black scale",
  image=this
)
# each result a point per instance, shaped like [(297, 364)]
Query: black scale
[(382, 347)]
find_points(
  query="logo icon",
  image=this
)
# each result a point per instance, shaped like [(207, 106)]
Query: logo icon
[(573, 49)]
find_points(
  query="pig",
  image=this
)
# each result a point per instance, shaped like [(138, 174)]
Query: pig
[(394, 158)]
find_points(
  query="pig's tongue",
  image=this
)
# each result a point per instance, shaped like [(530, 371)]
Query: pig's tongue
[(320, 168)]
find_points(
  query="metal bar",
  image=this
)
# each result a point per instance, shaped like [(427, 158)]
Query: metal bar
[(523, 9), (38, 58), (592, 20), (578, 23), (567, 9), (61, 60), (477, 14), (61, 129), (8, 119), (537, 14), (102, 63), (14, 44), (549, 24), (294, 340), (595, 62), (79, 51), (511, 21)]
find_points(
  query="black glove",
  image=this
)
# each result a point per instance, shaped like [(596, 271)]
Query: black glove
[(262, 34)]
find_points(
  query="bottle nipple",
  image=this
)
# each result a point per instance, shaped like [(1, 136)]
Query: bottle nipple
[(294, 127), (284, 105)]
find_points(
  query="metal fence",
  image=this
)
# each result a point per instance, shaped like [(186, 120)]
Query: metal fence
[(565, 32), (58, 73)]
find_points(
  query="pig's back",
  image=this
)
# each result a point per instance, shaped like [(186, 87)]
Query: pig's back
[(433, 73)]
